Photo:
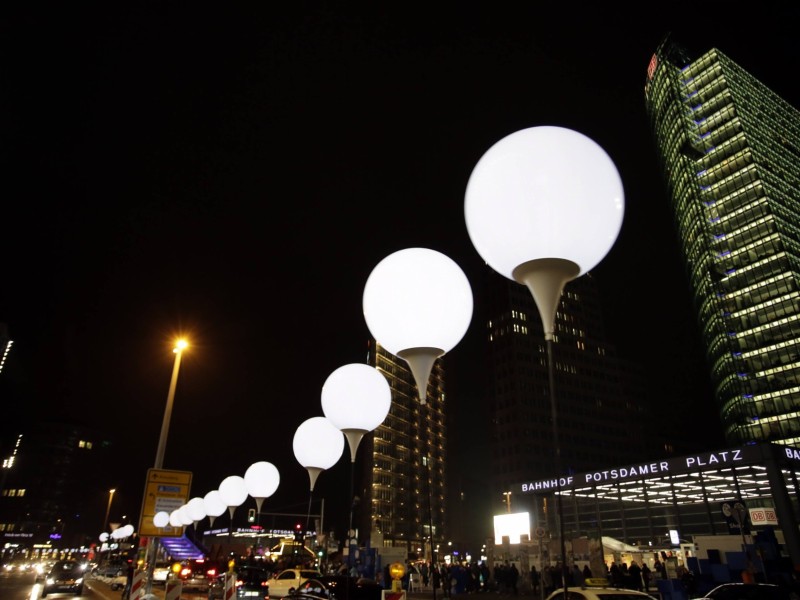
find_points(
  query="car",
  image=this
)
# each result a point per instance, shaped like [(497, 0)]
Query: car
[(252, 583), (750, 591), (110, 569), (606, 592), (337, 587), (290, 579), (193, 576), (161, 572), (65, 576)]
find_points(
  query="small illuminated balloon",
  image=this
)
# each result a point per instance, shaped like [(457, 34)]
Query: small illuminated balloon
[(544, 193), (175, 519), (183, 514), (161, 519), (197, 509), (127, 531), (233, 491), (213, 504), (417, 298), (104, 537)]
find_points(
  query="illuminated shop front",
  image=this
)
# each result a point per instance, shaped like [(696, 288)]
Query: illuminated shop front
[(735, 491)]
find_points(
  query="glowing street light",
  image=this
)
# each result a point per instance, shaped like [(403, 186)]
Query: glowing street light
[(543, 206)]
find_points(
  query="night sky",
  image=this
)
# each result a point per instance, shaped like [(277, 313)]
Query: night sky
[(234, 175)]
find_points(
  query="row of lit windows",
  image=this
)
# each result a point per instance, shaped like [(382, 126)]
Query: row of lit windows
[(7, 526), (14, 492)]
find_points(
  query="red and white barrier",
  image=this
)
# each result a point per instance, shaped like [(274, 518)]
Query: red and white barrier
[(173, 590), (230, 586), (137, 587)]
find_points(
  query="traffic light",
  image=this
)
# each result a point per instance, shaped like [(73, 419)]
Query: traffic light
[(298, 533), (251, 515)]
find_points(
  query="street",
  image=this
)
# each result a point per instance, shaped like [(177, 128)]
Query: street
[(21, 586)]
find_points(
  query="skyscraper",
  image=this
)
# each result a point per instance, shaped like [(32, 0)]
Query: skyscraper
[(730, 152), (600, 399), (399, 482)]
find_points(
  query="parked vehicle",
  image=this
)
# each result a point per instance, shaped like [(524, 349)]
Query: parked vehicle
[(750, 591), (290, 579), (337, 587)]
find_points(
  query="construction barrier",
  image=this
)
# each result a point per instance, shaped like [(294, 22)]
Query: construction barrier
[(137, 587), (230, 586), (173, 590)]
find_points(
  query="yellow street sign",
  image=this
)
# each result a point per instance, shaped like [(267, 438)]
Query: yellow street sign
[(164, 491)]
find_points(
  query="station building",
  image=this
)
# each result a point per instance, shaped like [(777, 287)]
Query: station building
[(739, 491)]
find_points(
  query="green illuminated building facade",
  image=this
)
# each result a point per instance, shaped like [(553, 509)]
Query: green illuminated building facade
[(730, 152)]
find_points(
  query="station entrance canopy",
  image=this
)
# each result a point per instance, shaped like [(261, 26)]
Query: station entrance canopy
[(639, 503)]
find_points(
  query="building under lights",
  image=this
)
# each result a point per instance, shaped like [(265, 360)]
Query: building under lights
[(639, 503), (600, 398), (5, 345), (730, 150), (403, 491)]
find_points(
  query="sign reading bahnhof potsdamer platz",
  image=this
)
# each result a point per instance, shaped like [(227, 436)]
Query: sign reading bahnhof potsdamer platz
[(638, 503)]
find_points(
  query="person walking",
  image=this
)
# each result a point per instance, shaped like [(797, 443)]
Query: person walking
[(534, 579), (513, 576), (577, 576), (647, 575)]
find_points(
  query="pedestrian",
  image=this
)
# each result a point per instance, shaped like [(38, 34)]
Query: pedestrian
[(577, 576), (635, 576), (646, 576), (587, 572), (534, 579), (513, 576)]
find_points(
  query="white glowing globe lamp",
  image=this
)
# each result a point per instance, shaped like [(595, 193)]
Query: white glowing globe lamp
[(318, 444), (197, 509), (417, 298), (104, 537), (183, 514), (213, 504), (127, 531), (116, 534), (261, 480), (540, 193), (175, 519), (356, 396), (161, 519), (233, 491)]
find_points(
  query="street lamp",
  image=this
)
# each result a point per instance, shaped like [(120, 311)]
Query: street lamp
[(180, 346), (317, 445), (233, 492), (543, 206), (108, 507), (214, 506), (261, 480), (418, 305), (356, 399)]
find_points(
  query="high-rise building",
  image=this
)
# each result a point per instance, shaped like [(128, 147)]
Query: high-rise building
[(403, 493), (730, 152), (600, 398), (53, 487)]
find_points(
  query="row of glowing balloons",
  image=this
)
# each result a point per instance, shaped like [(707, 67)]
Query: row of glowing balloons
[(542, 206)]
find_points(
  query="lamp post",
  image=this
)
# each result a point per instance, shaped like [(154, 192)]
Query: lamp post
[(214, 506), (418, 305), (356, 399), (317, 446), (108, 506), (180, 346), (261, 480), (233, 492), (543, 206)]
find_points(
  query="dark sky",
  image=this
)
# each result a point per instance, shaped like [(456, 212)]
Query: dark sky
[(235, 173)]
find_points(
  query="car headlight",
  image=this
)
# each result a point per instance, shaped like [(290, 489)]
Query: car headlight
[(50, 581), (79, 580)]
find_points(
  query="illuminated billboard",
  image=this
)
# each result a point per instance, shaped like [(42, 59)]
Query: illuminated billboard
[(511, 525)]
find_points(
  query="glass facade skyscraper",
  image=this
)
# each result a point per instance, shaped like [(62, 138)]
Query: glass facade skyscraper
[(730, 152)]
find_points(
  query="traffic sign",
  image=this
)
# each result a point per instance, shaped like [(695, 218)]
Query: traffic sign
[(164, 491)]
